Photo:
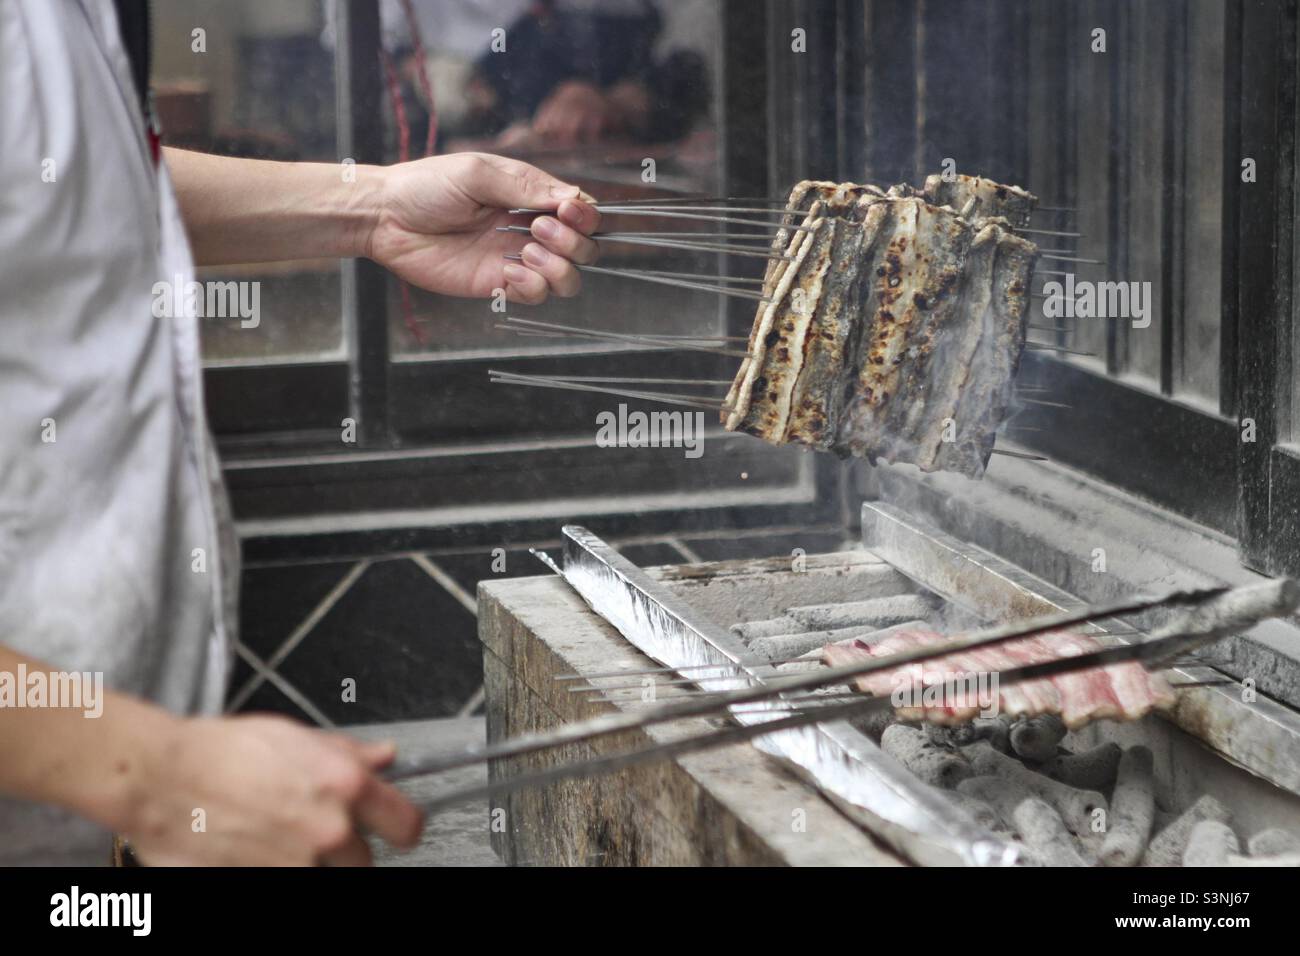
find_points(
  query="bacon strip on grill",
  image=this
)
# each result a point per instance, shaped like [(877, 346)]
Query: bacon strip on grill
[(1120, 691)]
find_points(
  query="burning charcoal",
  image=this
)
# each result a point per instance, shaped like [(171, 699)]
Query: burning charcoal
[(995, 730), (1043, 830), (935, 765), (755, 629), (1093, 769), (877, 612), (1001, 794), (787, 645), (981, 811), (781, 647), (1273, 842), (1132, 810), (1035, 738), (1170, 843), (1075, 806), (1209, 844), (876, 722)]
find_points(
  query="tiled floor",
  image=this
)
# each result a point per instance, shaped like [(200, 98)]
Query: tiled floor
[(393, 638)]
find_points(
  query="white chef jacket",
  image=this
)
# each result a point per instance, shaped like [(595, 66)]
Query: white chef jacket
[(115, 551)]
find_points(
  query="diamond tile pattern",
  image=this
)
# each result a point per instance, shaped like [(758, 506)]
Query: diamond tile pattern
[(407, 642)]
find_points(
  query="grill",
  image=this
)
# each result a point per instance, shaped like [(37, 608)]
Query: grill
[(1217, 752)]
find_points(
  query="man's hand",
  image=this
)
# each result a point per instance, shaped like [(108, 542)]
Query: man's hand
[(271, 792), (437, 222)]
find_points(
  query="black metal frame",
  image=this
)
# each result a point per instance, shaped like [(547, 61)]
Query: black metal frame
[(1269, 471)]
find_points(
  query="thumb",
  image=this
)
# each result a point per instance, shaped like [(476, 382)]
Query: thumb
[(374, 754), (509, 184)]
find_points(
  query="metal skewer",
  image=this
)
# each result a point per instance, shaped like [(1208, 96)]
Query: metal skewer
[(1048, 347), (1154, 653), (616, 723), (684, 246), (652, 213), (1061, 255), (679, 670), (686, 200), (1018, 454), (646, 381), (743, 236), (541, 381), (662, 341), (662, 280), (1049, 232), (699, 275)]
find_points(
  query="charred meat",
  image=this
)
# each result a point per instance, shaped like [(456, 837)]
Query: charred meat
[(893, 325)]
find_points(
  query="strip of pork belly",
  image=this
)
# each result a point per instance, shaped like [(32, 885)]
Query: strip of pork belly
[(916, 269), (997, 295), (974, 196), (1119, 691)]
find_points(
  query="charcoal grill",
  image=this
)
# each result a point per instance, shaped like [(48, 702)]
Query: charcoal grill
[(737, 806)]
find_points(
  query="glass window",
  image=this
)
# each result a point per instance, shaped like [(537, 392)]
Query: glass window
[(618, 96), (254, 79)]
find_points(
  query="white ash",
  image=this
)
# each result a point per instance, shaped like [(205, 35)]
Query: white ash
[(1210, 844), (1170, 843)]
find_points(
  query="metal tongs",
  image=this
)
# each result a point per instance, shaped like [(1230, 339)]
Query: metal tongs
[(1210, 614)]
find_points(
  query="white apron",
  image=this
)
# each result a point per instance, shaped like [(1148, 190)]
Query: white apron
[(115, 551)]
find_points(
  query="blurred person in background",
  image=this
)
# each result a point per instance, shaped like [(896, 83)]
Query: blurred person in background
[(573, 72)]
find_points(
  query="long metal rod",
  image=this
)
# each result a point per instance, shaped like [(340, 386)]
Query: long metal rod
[(655, 234), (661, 341), (614, 723), (743, 236), (665, 214), (661, 280), (620, 207), (687, 246), (677, 283), (674, 670), (540, 381), (1049, 347), (1153, 652), (1018, 454), (688, 200), (1049, 232), (746, 280), (615, 380)]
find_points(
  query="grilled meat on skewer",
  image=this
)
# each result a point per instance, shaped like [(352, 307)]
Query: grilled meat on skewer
[(1120, 691), (893, 327)]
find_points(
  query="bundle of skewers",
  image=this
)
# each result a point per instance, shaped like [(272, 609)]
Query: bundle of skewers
[(890, 323)]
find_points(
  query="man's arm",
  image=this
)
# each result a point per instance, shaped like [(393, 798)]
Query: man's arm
[(252, 210), (269, 791), (432, 221)]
